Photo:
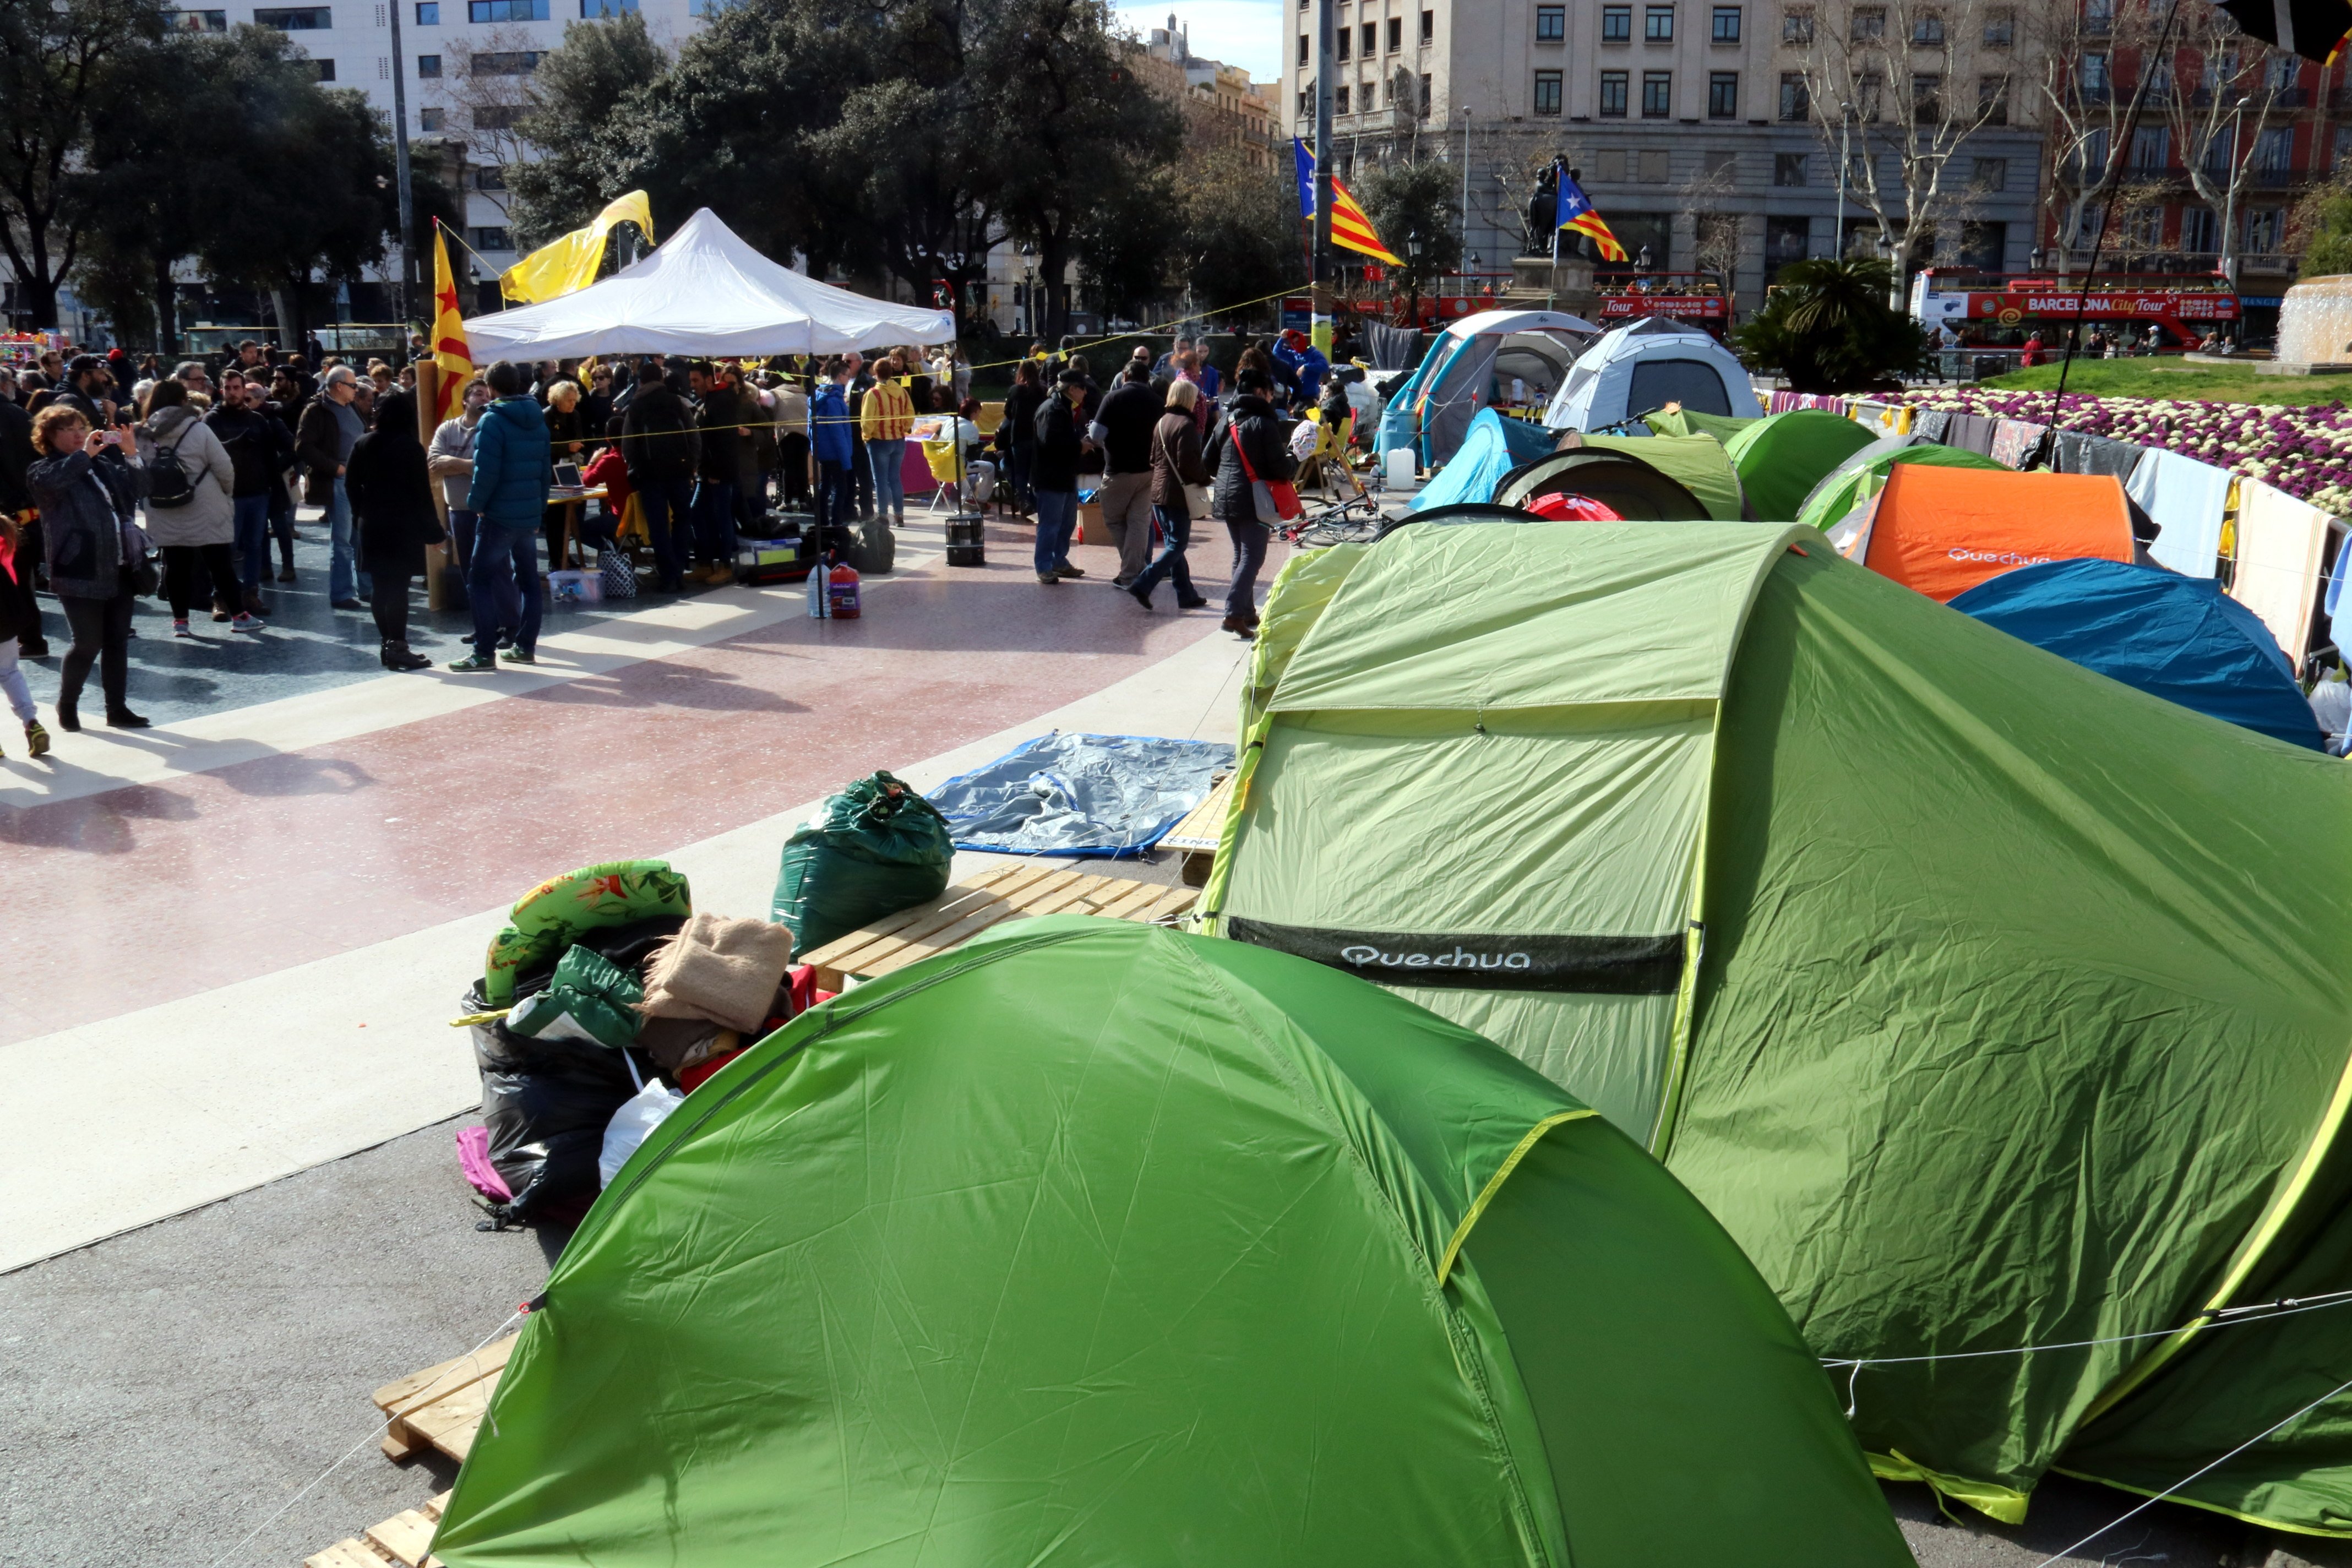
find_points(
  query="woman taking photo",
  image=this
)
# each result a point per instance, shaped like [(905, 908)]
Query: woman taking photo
[(88, 485), (392, 502), (195, 527)]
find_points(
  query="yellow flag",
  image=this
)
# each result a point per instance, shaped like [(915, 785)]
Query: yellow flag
[(568, 263), (450, 350)]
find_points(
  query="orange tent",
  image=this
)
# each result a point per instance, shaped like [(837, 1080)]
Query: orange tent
[(1943, 530)]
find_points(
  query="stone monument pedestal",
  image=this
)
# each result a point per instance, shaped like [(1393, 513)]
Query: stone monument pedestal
[(1567, 284)]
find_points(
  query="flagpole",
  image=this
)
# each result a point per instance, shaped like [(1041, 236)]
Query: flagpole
[(1319, 300)]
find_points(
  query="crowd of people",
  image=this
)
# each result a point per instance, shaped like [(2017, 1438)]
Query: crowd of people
[(123, 477), (1162, 450)]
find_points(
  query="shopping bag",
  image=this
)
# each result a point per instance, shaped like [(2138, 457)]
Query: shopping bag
[(620, 576), (1277, 501)]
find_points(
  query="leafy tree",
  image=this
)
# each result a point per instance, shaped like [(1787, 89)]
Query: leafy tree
[(870, 148), (1424, 198), (170, 176), (2322, 225), (315, 196), (1080, 112), (1237, 229), (1127, 246), (578, 92), (1828, 328), (66, 67)]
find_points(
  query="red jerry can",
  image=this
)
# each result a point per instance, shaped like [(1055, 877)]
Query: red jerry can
[(842, 583)]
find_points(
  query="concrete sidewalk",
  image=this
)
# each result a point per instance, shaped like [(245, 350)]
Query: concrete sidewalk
[(249, 1083)]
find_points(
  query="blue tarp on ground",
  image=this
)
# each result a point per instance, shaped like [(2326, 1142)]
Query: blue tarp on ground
[(1068, 793), (2176, 637), (1492, 447)]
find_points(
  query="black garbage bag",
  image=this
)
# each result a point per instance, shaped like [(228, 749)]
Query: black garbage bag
[(546, 1102), (874, 848)]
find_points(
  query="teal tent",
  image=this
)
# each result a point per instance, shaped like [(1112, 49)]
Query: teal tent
[(1492, 447)]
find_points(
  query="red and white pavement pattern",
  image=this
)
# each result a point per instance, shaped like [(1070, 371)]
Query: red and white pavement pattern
[(155, 886)]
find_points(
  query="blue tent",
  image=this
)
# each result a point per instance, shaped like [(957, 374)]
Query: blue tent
[(1493, 448), (2176, 637)]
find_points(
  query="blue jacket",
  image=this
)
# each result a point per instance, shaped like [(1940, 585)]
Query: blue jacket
[(1307, 367), (514, 464), (831, 427)]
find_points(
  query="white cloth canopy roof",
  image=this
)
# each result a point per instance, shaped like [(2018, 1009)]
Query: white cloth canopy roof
[(703, 292)]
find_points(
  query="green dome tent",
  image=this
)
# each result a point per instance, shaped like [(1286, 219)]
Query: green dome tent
[(1680, 421), (1096, 1243), (1845, 486), (1782, 457), (1989, 1003)]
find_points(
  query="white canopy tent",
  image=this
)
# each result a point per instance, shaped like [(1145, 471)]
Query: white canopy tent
[(706, 294)]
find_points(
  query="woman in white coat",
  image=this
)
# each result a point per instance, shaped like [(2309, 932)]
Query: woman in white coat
[(195, 525)]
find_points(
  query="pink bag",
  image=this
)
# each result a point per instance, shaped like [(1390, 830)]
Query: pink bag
[(474, 1159)]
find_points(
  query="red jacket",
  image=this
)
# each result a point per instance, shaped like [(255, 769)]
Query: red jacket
[(610, 472)]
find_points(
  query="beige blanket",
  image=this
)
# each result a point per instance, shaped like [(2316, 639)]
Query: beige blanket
[(720, 969)]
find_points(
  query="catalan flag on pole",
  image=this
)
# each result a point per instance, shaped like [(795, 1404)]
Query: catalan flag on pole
[(1576, 216), (1349, 226), (451, 353)]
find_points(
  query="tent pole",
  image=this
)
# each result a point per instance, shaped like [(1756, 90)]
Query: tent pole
[(2110, 178)]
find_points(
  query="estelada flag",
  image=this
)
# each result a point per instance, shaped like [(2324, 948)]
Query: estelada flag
[(450, 350), (1349, 226), (1576, 216)]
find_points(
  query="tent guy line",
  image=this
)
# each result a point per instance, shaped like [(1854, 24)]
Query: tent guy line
[(374, 1434), (2175, 1486), (2219, 1318)]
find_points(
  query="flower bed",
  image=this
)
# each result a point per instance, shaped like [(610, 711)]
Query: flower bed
[(2304, 451)]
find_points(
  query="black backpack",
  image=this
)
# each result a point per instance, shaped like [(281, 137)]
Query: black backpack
[(168, 485)]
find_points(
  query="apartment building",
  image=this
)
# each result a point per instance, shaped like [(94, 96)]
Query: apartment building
[(1701, 129), (2227, 142), (1221, 105)]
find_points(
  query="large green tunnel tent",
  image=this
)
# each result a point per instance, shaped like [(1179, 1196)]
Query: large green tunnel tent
[(1096, 1243), (1987, 1002)]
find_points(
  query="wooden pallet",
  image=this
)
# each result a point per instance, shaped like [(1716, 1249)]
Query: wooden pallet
[(402, 1539), (1195, 839), (441, 1407), (964, 910)]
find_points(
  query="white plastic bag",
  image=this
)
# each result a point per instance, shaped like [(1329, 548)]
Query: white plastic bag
[(632, 1125)]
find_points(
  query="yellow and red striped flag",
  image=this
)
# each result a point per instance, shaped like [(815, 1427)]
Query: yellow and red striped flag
[(1349, 226), (451, 353)]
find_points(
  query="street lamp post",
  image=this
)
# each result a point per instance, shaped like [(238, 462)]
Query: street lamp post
[(1412, 274), (400, 172), (1466, 176)]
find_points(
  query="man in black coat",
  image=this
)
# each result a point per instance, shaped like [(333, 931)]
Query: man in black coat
[(1053, 477), (715, 474), (1123, 424), (661, 450)]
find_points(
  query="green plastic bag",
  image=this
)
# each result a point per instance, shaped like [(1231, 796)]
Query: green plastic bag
[(874, 848), (591, 998)]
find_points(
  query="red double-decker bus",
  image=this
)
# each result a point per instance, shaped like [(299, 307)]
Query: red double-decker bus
[(1995, 309), (1695, 297)]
